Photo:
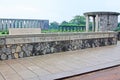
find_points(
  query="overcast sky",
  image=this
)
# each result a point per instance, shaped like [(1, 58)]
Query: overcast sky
[(54, 10)]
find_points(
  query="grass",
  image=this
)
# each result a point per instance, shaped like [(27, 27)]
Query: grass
[(3, 33)]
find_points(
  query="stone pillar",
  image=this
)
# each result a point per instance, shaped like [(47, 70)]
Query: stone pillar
[(32, 26), (93, 25), (87, 23), (12, 23), (35, 24), (8, 24), (24, 23), (15, 22), (31, 23), (21, 24), (0, 25), (39, 24), (96, 29), (3, 24), (27, 24)]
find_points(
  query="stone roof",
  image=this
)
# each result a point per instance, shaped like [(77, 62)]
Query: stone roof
[(101, 13)]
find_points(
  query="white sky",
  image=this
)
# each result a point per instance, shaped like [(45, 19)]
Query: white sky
[(54, 10)]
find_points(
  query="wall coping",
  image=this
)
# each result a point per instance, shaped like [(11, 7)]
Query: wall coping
[(36, 38)]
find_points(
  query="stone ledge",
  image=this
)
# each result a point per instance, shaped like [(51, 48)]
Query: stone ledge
[(13, 39)]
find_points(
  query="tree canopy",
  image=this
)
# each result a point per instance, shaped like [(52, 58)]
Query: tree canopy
[(54, 25), (76, 21)]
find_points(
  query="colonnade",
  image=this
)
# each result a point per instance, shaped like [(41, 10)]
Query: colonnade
[(95, 25), (20, 23)]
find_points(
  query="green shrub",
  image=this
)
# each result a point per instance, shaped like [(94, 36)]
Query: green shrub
[(3, 32), (7, 32)]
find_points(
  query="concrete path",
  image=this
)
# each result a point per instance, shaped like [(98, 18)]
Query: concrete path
[(54, 66), (107, 74)]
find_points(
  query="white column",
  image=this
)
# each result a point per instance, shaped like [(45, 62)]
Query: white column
[(32, 24), (36, 24), (87, 23), (19, 23), (8, 24), (12, 23), (28, 24), (22, 24), (4, 24), (15, 24), (96, 29), (0, 25), (93, 26), (25, 24)]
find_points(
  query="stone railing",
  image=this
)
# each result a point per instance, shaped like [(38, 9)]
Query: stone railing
[(13, 46), (17, 39)]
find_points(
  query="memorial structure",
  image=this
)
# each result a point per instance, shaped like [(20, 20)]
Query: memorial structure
[(102, 21), (5, 24), (19, 46)]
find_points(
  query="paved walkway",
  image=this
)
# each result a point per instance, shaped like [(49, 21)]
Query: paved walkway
[(107, 74), (53, 66)]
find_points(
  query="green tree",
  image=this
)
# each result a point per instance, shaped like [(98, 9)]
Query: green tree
[(78, 20), (54, 25), (64, 23)]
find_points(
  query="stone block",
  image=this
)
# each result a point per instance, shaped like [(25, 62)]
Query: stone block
[(18, 49), (21, 54), (2, 41), (24, 31), (3, 56), (16, 55)]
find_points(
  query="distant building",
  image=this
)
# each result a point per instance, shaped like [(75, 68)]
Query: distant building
[(5, 24)]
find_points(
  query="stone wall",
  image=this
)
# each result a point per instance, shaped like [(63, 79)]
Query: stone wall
[(12, 47), (108, 22)]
